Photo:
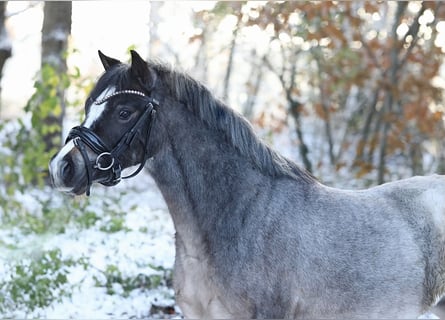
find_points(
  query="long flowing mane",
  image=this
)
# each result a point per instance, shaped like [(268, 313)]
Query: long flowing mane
[(213, 112)]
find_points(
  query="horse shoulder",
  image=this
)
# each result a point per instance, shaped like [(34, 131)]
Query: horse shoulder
[(197, 292)]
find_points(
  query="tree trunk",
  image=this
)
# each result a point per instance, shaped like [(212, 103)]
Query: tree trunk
[(389, 100), (226, 84), (326, 117), (295, 111), (154, 43), (441, 162), (366, 130), (295, 106), (55, 32), (254, 83), (5, 44), (415, 154)]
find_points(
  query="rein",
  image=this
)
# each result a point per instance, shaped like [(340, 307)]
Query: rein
[(108, 158)]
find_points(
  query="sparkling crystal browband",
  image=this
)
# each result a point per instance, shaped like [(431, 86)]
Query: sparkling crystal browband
[(139, 93)]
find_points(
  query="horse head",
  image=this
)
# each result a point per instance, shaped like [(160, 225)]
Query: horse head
[(115, 134)]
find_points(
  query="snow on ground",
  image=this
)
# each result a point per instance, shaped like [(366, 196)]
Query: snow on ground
[(143, 247)]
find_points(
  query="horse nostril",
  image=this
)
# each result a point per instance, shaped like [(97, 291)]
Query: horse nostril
[(66, 169)]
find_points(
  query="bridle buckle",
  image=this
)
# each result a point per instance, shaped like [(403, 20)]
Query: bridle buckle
[(102, 158)]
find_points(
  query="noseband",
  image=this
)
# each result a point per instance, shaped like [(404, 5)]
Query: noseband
[(107, 159)]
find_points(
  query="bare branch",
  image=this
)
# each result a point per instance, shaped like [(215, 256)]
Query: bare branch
[(414, 31)]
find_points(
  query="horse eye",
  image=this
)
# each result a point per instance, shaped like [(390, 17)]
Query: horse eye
[(124, 114)]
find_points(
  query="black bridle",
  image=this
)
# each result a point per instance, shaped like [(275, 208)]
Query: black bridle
[(108, 158)]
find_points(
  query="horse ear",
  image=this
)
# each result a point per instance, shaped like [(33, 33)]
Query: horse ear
[(140, 70), (107, 61)]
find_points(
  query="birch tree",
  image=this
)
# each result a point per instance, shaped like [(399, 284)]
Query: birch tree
[(47, 104), (55, 33), (5, 44)]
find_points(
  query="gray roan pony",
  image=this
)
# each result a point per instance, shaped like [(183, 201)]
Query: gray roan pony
[(256, 236)]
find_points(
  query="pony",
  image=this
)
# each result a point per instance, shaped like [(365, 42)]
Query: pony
[(256, 235)]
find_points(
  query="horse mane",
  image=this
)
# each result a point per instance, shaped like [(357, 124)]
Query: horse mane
[(239, 132), (215, 114)]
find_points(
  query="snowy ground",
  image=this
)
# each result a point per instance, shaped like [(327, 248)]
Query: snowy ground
[(139, 244)]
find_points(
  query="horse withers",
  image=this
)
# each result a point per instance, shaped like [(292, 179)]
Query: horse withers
[(256, 236)]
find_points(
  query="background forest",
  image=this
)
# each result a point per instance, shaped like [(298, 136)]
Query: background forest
[(350, 90)]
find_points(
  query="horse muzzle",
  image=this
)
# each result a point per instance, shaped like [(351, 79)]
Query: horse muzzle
[(86, 158), (67, 171), (74, 169)]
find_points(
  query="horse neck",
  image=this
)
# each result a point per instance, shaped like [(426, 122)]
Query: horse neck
[(201, 175)]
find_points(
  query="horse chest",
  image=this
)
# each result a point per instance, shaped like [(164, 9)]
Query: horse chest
[(197, 294)]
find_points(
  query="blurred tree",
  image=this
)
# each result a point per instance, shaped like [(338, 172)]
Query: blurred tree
[(382, 57), (55, 33), (5, 44), (47, 104), (254, 82), (207, 23), (369, 67), (233, 8), (285, 62), (286, 71), (154, 41)]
